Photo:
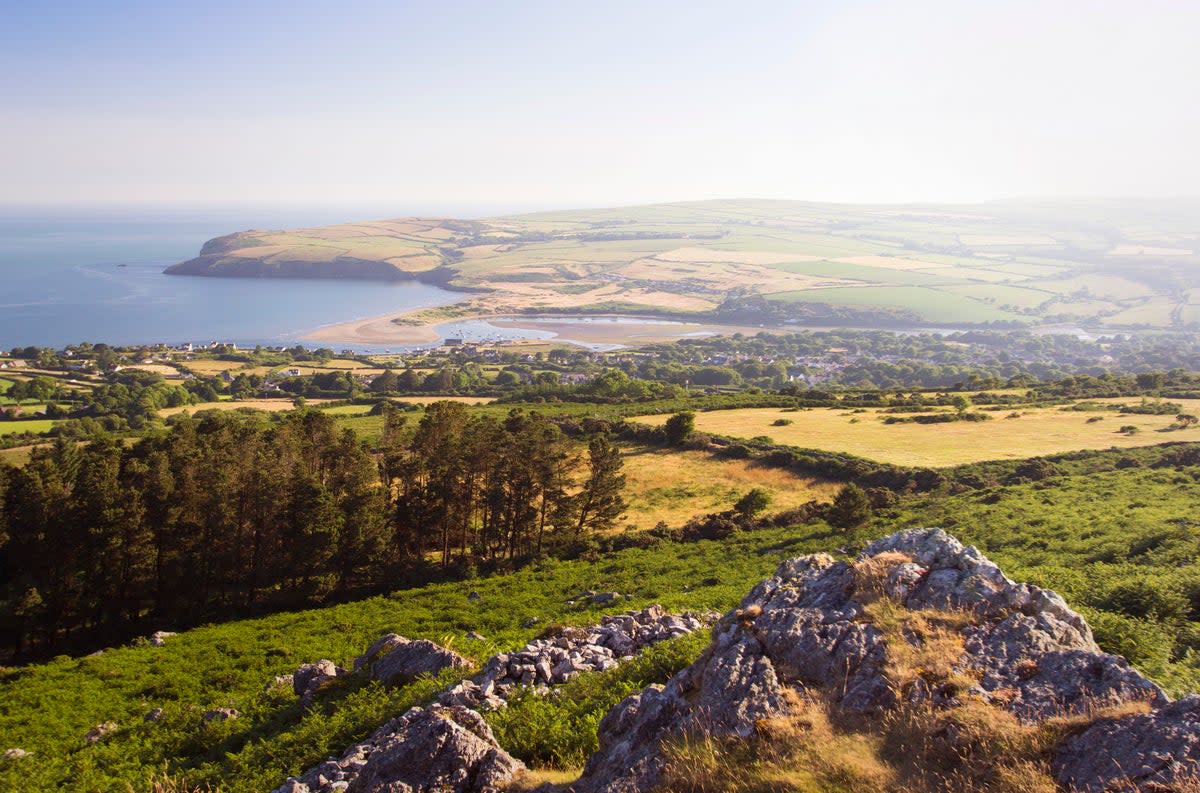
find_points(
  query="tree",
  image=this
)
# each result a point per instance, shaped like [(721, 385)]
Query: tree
[(600, 501), (679, 427), (1186, 419), (961, 403), (754, 502), (851, 507)]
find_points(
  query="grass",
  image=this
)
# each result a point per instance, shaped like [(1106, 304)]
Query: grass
[(931, 304), (47, 708), (1037, 431), (26, 425), (1120, 544), (271, 405), (672, 487)]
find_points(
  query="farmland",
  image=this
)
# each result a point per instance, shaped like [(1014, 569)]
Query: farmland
[(1117, 265), (1009, 435), (672, 487)]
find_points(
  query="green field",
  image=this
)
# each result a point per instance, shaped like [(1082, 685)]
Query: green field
[(931, 304), (26, 425)]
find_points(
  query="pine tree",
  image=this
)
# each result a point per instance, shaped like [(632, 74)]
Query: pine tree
[(601, 502)]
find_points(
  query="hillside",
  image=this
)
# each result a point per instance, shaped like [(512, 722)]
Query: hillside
[(1112, 264), (1110, 530)]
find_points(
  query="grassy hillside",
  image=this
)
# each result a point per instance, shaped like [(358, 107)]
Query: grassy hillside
[(1117, 538), (1123, 264)]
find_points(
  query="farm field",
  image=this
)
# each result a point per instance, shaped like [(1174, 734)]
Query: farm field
[(271, 405), (26, 425), (939, 265), (671, 486), (1036, 431)]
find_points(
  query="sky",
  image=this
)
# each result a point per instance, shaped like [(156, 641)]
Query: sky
[(519, 105)]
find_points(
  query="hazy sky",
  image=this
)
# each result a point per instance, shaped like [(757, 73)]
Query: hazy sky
[(572, 103)]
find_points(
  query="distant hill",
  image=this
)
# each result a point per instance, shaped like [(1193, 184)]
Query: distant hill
[(1119, 264)]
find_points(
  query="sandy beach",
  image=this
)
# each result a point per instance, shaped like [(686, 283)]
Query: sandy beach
[(374, 330), (598, 329)]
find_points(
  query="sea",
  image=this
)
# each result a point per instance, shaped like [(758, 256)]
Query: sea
[(75, 275)]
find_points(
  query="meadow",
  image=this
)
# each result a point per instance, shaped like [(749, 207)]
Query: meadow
[(668, 486), (1011, 434), (26, 425)]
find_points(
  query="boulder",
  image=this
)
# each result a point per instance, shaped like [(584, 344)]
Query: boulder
[(309, 679), (15, 754), (407, 659), (1148, 752), (437, 748), (100, 732), (159, 638), (219, 714), (808, 628), (153, 715)]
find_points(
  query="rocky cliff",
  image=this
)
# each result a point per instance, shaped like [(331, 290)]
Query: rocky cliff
[(919, 666)]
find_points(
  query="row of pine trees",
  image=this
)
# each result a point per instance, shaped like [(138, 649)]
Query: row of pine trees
[(235, 514)]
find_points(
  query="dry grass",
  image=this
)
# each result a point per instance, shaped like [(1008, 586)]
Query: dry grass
[(210, 368), (971, 746), (544, 780), (673, 486), (1038, 431), (270, 405)]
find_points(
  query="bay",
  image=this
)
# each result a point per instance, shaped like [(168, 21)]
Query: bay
[(68, 276)]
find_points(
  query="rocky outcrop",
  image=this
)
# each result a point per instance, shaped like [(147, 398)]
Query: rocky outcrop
[(555, 658), (309, 679), (1149, 752), (427, 749), (100, 732), (393, 659), (437, 748), (808, 629), (159, 638), (389, 759)]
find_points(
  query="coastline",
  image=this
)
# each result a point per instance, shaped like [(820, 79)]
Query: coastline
[(567, 329)]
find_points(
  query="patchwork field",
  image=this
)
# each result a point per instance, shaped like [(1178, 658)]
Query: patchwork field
[(671, 486), (26, 425), (909, 264), (1034, 431)]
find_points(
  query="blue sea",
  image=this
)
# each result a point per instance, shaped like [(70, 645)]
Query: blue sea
[(68, 276)]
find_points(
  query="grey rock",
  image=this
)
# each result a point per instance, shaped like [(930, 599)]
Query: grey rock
[(219, 714), (604, 598), (403, 660), (803, 629), (1147, 752), (15, 754), (476, 637), (153, 715), (309, 679), (437, 748), (159, 638), (474, 597), (100, 732), (380, 646)]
